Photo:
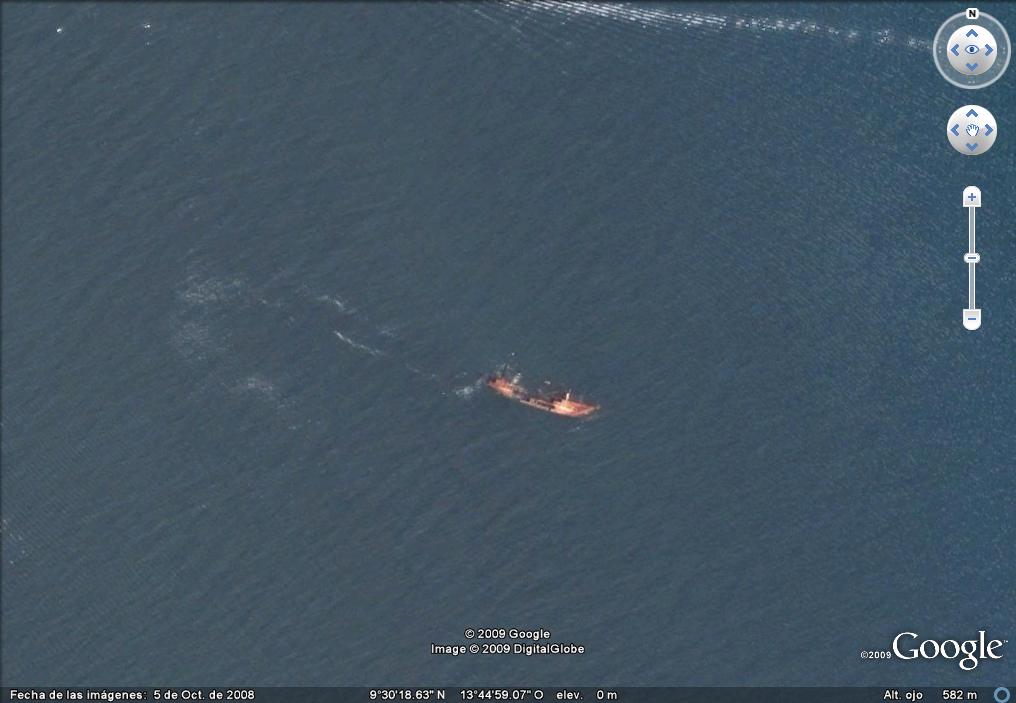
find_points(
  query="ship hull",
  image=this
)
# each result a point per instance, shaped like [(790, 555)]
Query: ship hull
[(558, 406)]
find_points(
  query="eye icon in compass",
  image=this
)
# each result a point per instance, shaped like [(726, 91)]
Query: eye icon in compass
[(971, 50)]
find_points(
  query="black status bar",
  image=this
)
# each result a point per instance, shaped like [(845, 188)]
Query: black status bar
[(531, 694)]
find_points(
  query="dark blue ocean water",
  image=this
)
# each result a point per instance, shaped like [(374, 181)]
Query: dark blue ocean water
[(257, 256)]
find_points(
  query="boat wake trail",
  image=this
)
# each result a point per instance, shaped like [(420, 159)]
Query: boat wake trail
[(356, 345), (223, 323), (466, 392), (211, 330), (373, 329), (338, 302), (663, 19)]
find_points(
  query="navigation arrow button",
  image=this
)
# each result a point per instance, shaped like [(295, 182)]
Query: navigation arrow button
[(984, 44), (971, 136)]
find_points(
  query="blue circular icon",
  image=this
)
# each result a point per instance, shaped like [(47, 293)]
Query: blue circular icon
[(1002, 695)]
